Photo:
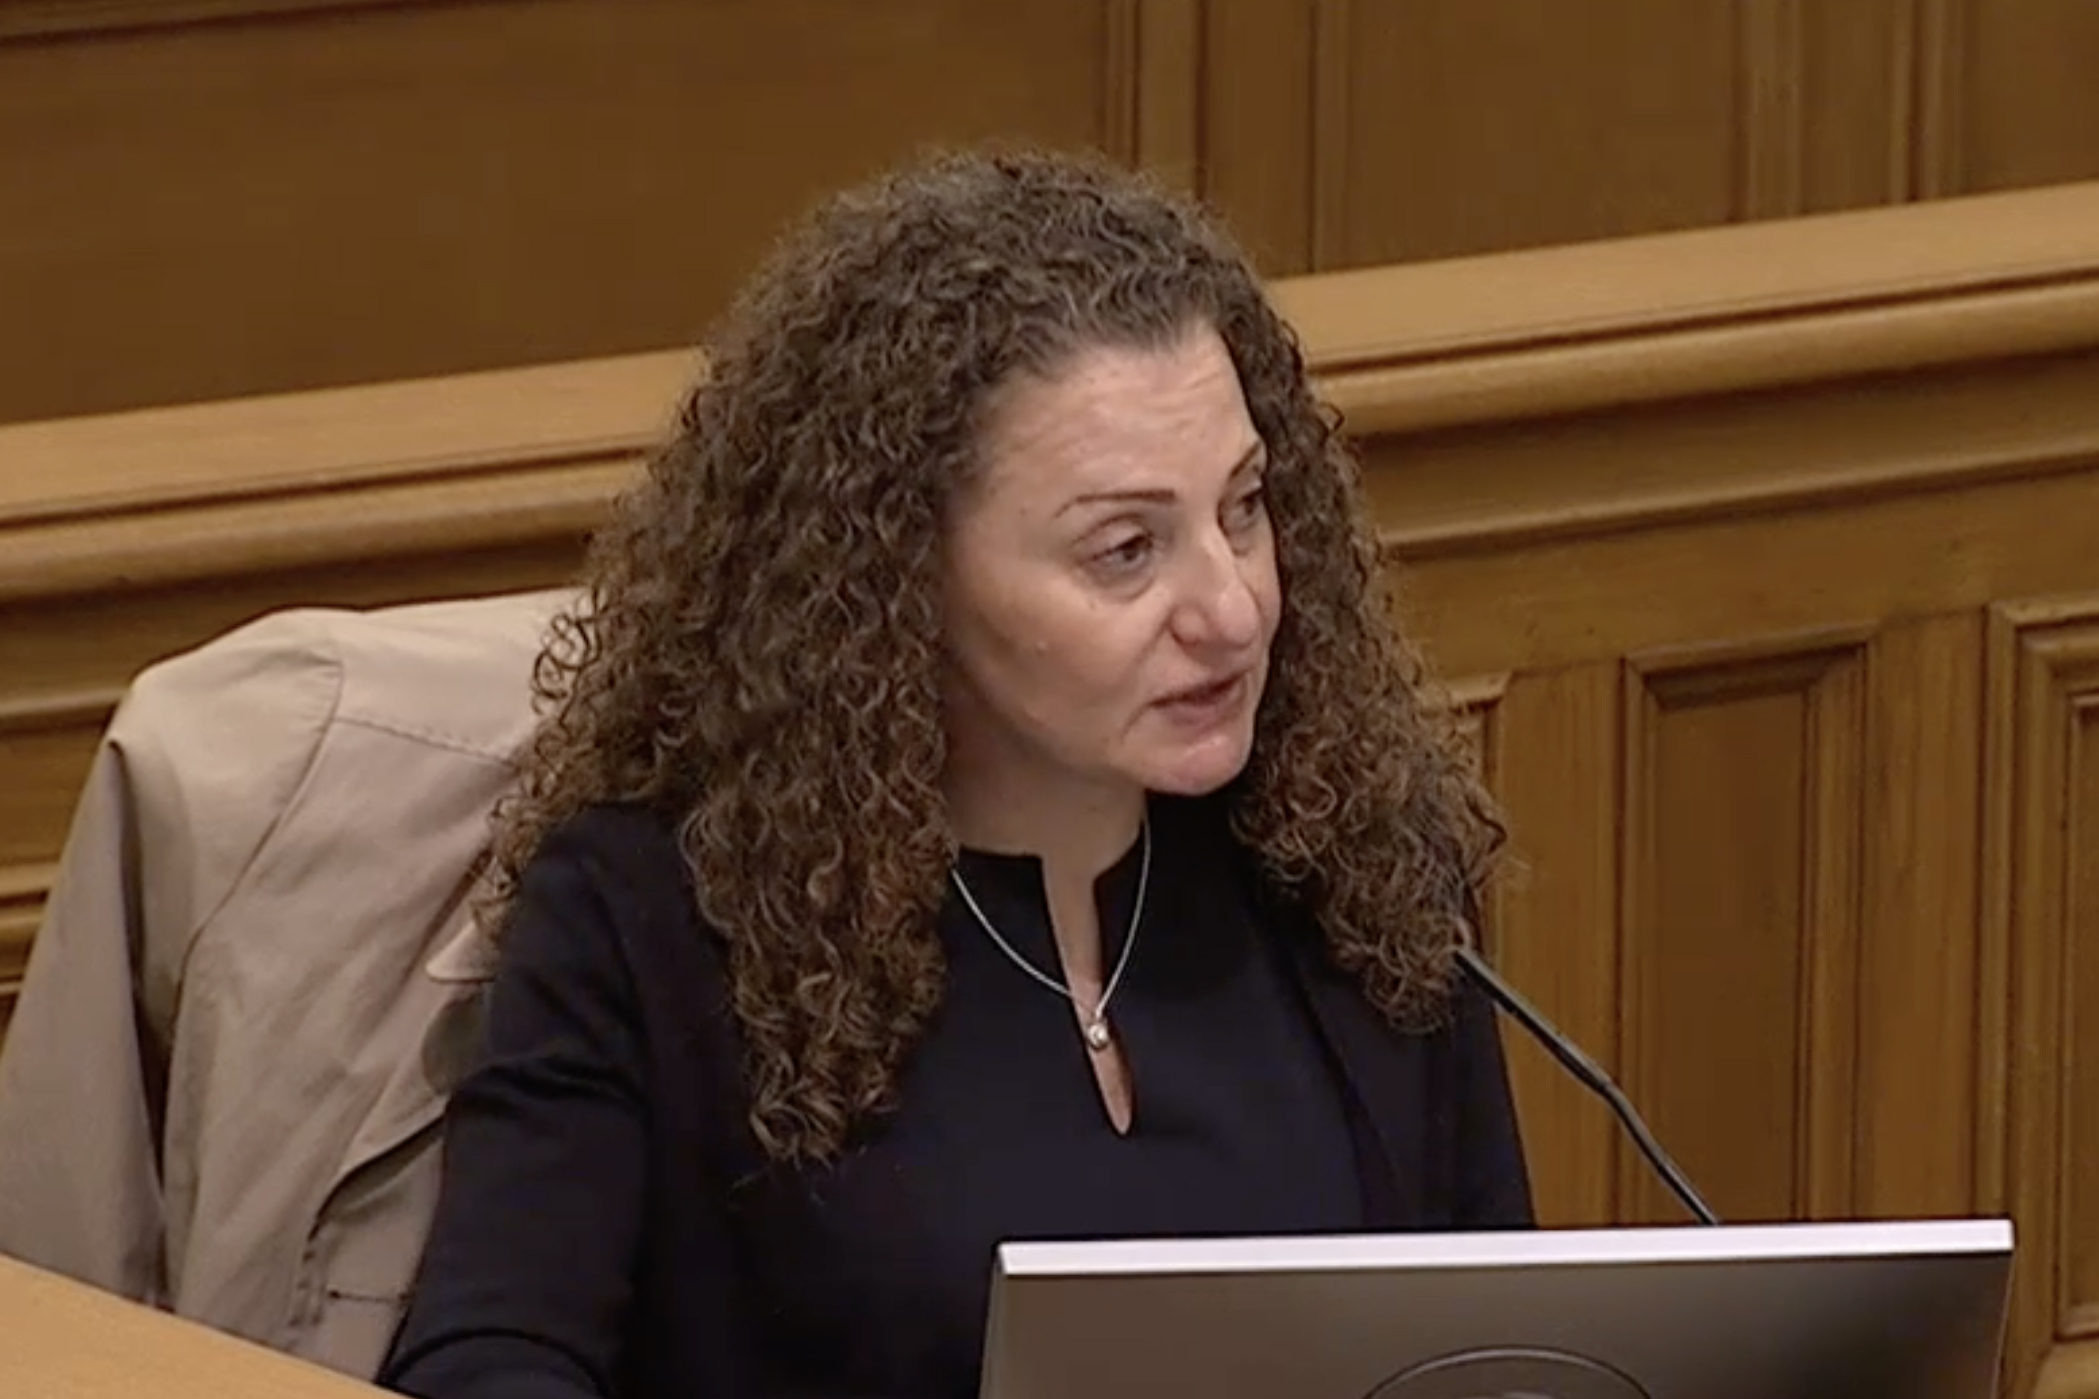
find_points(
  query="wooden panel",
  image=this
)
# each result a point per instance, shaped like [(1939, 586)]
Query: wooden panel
[(1919, 1059), (256, 205), (1743, 778), (22, 890), (2020, 106), (46, 18), (1258, 129), (1857, 103), (1558, 923), (212, 198), (1451, 127), (1587, 135), (45, 745), (2044, 916)]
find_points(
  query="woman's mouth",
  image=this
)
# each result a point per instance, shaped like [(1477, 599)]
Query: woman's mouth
[(1203, 703)]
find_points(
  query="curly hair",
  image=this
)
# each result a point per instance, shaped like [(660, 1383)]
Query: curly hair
[(757, 648)]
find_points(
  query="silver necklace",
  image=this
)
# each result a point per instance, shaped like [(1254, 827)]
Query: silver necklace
[(1096, 1021)]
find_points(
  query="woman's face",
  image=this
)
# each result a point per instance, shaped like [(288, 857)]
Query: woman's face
[(1111, 586)]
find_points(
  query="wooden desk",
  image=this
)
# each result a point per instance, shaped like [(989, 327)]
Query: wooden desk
[(67, 1341)]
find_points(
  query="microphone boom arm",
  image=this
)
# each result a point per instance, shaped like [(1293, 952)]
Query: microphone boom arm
[(1591, 1076)]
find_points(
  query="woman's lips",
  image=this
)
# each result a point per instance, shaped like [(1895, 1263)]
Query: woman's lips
[(1206, 702)]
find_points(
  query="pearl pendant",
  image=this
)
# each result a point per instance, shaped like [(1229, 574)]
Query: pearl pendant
[(1097, 1034)]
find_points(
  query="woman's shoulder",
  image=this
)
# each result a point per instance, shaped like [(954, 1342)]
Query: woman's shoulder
[(612, 878), (625, 844)]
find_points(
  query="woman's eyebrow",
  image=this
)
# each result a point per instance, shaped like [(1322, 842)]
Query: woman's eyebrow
[(1256, 457)]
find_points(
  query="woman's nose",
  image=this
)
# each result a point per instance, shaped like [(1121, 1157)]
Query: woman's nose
[(1220, 608)]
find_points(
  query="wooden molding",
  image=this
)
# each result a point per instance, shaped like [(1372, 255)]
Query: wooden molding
[(45, 19), (23, 890), (1714, 311), (1940, 56), (509, 457), (32, 713), (467, 461)]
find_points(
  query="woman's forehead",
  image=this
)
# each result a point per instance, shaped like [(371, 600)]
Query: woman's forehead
[(1111, 411)]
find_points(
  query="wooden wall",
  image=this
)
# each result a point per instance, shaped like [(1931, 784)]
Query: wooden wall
[(1764, 561), (208, 198)]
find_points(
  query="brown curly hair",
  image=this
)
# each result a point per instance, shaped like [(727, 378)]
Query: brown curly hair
[(757, 651)]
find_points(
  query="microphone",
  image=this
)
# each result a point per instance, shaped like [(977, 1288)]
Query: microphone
[(1591, 1076)]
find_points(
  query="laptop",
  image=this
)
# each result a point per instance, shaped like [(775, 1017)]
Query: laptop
[(1780, 1311)]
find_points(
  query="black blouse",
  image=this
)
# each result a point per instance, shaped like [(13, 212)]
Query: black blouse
[(609, 1228)]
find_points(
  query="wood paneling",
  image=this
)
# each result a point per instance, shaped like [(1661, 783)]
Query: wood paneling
[(1558, 923), (1453, 127), (1258, 126), (211, 198), (22, 890), (2043, 919), (2020, 104), (1918, 1116), (1747, 548), (1587, 134), (298, 199), (1742, 800)]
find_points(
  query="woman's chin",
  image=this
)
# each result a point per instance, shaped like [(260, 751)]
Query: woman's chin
[(1197, 773)]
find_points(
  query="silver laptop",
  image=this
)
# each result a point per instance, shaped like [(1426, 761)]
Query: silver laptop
[(1786, 1311)]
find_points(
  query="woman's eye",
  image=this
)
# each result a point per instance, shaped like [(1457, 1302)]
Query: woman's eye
[(1248, 508), (1125, 554)]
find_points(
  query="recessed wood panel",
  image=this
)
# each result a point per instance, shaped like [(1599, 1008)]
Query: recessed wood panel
[(1557, 929), (264, 204), (1258, 126), (1919, 1006), (1451, 127), (1585, 133), (2020, 87), (1857, 103), (2044, 805), (1741, 879)]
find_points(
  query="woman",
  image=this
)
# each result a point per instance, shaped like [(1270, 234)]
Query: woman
[(981, 798)]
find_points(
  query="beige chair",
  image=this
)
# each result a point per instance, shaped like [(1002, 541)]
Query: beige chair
[(256, 979)]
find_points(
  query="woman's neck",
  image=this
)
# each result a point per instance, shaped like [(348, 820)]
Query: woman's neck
[(1076, 830)]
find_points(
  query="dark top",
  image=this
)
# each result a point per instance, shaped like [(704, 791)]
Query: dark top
[(610, 1229)]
